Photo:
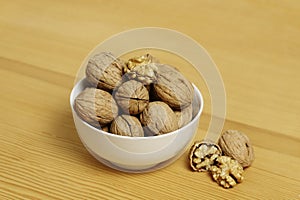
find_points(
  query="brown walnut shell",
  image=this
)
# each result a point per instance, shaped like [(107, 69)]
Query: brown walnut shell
[(96, 107), (173, 88), (184, 116), (237, 145), (132, 96), (159, 118), (127, 125), (105, 71)]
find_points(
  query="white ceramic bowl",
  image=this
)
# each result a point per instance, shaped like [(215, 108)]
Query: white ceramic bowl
[(135, 154)]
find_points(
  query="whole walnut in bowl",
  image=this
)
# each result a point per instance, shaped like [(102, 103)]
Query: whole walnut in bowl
[(127, 125), (105, 71), (136, 154), (132, 96), (159, 118), (173, 88), (95, 106)]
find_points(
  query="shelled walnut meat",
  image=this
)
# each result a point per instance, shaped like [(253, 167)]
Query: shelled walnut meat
[(95, 106), (202, 155), (227, 172), (105, 71), (227, 169), (142, 68)]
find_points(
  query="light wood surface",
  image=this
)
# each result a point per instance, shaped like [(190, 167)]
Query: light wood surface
[(255, 44)]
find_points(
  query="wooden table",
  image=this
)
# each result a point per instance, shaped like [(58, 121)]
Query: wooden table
[(255, 44)]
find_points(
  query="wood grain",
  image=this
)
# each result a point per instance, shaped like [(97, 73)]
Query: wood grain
[(255, 44)]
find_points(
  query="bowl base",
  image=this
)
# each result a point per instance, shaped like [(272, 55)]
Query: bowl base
[(129, 168)]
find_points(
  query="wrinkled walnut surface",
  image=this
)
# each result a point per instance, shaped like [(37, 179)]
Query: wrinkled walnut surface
[(95, 106), (202, 155), (237, 145), (173, 88), (132, 96), (159, 118), (184, 116), (142, 68), (144, 73), (105, 71), (127, 125), (227, 172)]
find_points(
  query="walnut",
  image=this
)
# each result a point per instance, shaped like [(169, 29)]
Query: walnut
[(184, 116), (196, 104), (127, 125), (105, 128), (132, 96), (105, 71), (159, 118), (173, 88), (140, 60), (227, 172), (202, 155), (96, 107), (144, 73), (237, 145), (142, 68)]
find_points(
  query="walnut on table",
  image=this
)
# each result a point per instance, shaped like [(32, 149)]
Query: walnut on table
[(237, 145), (203, 155), (226, 171)]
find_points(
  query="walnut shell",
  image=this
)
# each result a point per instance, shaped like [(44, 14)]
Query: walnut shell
[(196, 105), (203, 154), (132, 96), (173, 88), (184, 116), (127, 125), (105, 71), (96, 107), (159, 118), (237, 145), (105, 128)]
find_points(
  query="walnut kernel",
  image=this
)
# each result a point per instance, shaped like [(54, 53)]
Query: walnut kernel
[(202, 155), (227, 172)]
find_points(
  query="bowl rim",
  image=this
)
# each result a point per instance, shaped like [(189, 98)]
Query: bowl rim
[(72, 99)]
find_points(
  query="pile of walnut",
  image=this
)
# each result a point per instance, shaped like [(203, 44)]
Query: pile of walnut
[(227, 168), (139, 97)]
